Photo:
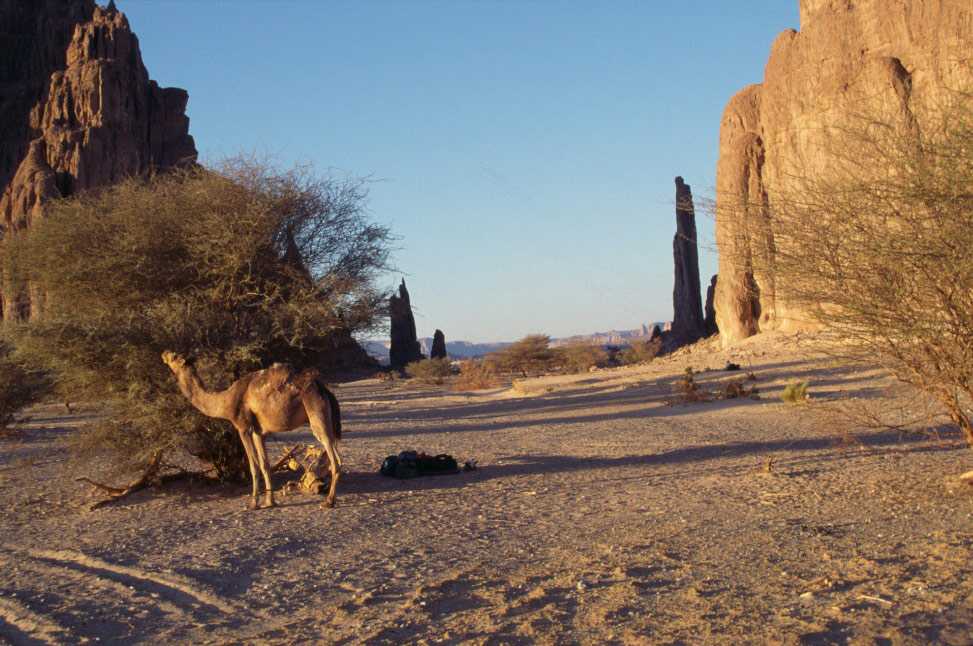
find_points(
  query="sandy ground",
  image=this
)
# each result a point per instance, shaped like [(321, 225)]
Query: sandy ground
[(599, 514)]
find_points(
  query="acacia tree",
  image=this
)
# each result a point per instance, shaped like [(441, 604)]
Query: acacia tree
[(880, 249), (238, 267), (531, 354)]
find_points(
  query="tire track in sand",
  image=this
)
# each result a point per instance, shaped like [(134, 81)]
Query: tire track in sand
[(182, 599), (175, 588), (21, 625), (83, 581)]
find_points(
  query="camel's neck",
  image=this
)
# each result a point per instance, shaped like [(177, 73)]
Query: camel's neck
[(211, 404)]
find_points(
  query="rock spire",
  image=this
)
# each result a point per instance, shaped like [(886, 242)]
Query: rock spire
[(687, 319), (404, 347), (438, 350), (709, 312)]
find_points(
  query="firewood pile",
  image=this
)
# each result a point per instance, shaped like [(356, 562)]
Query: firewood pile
[(309, 461)]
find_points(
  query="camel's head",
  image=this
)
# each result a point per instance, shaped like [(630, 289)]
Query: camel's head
[(176, 362)]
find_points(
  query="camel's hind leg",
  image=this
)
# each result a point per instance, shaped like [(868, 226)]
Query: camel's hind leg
[(322, 425), (258, 443), (250, 450)]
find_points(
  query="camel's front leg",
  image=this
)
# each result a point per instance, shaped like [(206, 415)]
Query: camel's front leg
[(258, 442)]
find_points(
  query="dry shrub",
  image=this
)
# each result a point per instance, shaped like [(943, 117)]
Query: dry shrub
[(795, 393), (739, 389), (878, 246), (430, 371), (476, 374), (239, 267), (19, 387), (581, 357), (640, 352), (688, 390)]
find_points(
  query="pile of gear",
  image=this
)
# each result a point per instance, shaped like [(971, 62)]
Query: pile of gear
[(412, 464)]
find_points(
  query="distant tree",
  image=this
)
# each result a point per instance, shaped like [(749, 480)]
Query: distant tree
[(530, 355), (641, 351), (581, 357), (238, 267)]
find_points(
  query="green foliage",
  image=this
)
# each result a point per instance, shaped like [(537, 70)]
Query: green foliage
[(433, 371), (795, 392), (19, 387), (239, 267), (581, 357), (531, 355)]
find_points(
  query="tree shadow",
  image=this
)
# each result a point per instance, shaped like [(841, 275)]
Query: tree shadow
[(654, 408), (656, 391), (823, 450)]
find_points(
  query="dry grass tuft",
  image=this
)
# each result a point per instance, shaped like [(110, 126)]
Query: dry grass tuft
[(430, 371), (795, 393), (689, 391)]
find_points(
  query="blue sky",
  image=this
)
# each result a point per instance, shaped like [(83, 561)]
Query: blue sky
[(523, 152)]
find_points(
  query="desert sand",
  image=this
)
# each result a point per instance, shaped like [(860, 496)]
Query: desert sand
[(601, 512)]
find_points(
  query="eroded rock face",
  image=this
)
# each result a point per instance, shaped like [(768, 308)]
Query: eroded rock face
[(34, 38), (894, 57), (438, 350), (346, 356), (77, 110), (405, 347), (687, 320)]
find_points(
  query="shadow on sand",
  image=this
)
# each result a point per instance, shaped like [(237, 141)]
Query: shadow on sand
[(694, 461)]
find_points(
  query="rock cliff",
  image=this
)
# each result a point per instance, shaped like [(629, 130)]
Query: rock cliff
[(897, 58), (77, 110)]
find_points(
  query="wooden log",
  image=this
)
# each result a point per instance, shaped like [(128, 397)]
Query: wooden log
[(284, 459), (117, 493)]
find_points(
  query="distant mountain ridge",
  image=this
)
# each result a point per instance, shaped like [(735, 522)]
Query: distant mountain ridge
[(470, 349)]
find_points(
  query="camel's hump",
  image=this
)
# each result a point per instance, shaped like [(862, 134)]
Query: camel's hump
[(282, 375)]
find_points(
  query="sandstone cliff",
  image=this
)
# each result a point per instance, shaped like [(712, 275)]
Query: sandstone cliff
[(901, 58), (77, 110)]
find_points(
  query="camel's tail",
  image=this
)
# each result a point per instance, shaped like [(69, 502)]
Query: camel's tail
[(335, 408)]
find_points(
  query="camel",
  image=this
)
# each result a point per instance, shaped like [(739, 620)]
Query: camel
[(274, 400)]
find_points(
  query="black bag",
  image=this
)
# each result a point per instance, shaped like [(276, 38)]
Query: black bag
[(410, 464)]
